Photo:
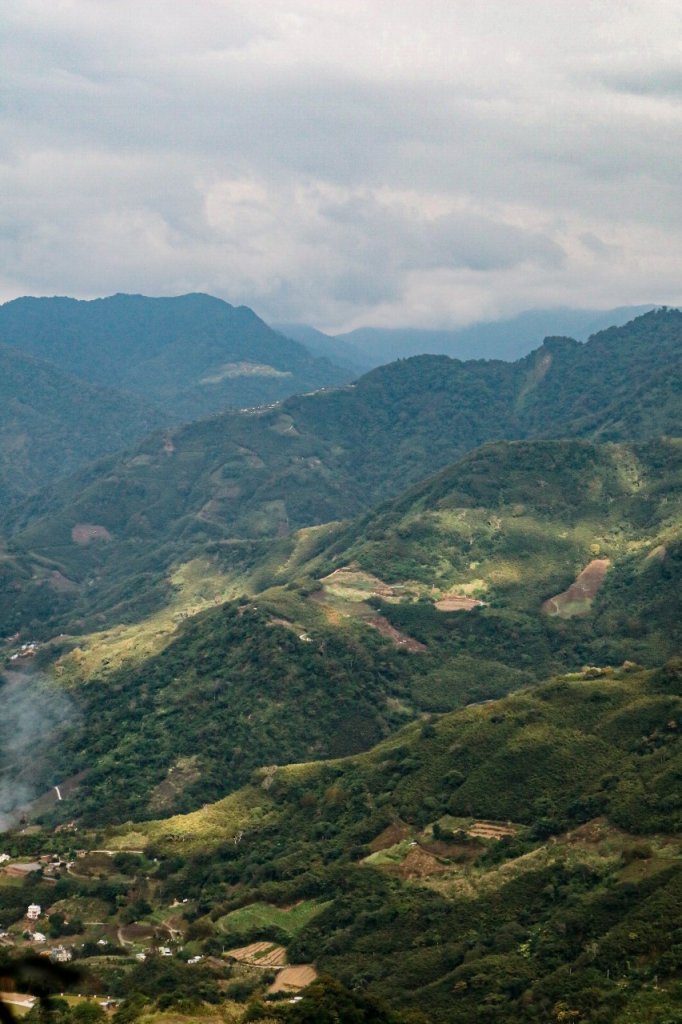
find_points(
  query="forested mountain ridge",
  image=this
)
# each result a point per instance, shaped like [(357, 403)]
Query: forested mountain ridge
[(331, 455), (465, 588), (52, 422), (192, 354)]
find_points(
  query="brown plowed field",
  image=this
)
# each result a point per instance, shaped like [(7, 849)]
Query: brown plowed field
[(260, 954), (577, 599), (293, 978), (362, 582), (458, 603), (83, 533), (491, 830), (383, 626), (391, 835), (417, 864)]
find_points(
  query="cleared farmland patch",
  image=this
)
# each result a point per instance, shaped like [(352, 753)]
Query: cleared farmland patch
[(264, 917), (577, 599), (458, 603), (260, 954), (491, 830), (294, 978)]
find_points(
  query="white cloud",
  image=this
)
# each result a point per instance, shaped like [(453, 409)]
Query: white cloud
[(344, 164)]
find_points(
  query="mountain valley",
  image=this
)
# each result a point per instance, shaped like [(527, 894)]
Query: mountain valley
[(368, 699)]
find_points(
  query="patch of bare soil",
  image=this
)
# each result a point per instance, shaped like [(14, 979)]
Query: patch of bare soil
[(61, 583), (391, 835), (260, 954), (281, 622), (418, 863), (579, 596), (594, 832), (453, 851), (85, 533), (408, 643), (295, 978), (180, 776), (355, 580), (491, 830), (458, 603)]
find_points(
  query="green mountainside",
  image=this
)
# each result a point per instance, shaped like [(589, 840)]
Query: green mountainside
[(510, 862), (193, 354), (365, 707), (523, 560), (321, 457), (428, 911), (51, 423)]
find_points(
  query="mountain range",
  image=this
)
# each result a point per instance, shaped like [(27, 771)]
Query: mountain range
[(360, 706), (113, 530), (366, 347), (81, 379)]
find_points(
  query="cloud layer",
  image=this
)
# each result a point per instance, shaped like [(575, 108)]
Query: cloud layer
[(386, 163)]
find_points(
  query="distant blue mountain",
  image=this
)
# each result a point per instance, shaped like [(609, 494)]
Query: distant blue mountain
[(367, 347)]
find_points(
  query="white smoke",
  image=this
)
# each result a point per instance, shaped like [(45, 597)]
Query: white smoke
[(33, 711)]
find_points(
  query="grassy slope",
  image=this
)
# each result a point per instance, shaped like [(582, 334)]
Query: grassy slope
[(515, 524)]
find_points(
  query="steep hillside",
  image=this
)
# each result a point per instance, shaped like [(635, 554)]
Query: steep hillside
[(328, 456), (431, 754), (51, 423), (193, 354), (511, 862), (523, 560), (456, 901), (588, 537)]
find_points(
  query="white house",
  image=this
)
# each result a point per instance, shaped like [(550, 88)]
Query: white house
[(33, 912), (61, 955)]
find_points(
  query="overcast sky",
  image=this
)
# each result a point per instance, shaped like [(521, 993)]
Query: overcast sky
[(344, 163)]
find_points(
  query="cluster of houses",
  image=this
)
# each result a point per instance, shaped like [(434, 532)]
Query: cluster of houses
[(50, 865), (59, 954), (166, 951), (25, 651)]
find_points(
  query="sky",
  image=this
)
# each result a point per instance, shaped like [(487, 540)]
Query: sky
[(385, 163)]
